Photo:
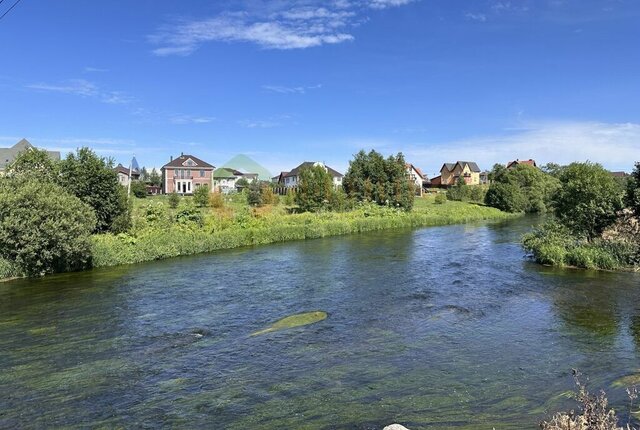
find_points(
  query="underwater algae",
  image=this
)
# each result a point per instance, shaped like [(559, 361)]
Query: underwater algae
[(292, 321)]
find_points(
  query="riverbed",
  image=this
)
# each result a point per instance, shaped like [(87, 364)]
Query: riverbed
[(438, 328)]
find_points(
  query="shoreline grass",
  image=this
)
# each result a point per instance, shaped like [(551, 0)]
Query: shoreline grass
[(156, 235)]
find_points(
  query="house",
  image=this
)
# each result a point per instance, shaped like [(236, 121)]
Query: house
[(224, 179), (280, 178), (436, 181), (529, 162), (468, 170), (154, 190), (186, 173), (291, 179), (123, 175), (8, 155), (247, 165), (620, 174), (416, 177), (484, 178)]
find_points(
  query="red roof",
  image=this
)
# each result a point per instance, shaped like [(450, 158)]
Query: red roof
[(529, 162)]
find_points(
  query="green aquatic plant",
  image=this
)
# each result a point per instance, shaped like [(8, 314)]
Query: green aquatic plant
[(293, 321)]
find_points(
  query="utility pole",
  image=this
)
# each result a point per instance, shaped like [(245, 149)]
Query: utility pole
[(129, 184)]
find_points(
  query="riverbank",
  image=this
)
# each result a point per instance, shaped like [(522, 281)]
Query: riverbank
[(229, 228), (160, 232)]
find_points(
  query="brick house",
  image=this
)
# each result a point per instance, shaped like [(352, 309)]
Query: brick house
[(186, 173), (468, 170)]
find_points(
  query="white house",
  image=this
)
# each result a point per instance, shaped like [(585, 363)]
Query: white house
[(291, 179), (123, 175), (417, 177)]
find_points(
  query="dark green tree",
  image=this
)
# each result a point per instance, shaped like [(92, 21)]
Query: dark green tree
[(144, 174), (92, 179), (43, 228), (254, 194), (523, 188), (314, 188), (371, 177), (589, 199), (174, 200), (460, 191), (155, 178)]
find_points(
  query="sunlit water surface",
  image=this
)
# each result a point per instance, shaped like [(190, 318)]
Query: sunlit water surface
[(436, 328)]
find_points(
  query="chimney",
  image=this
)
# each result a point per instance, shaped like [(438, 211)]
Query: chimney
[(182, 154), (170, 159)]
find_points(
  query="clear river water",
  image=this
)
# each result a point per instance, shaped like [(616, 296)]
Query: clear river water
[(438, 328)]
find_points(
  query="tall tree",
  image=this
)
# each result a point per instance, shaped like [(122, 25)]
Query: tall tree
[(315, 188), (633, 191), (92, 179)]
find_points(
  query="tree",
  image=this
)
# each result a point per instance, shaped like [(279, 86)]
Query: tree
[(93, 180), (633, 191), (242, 183), (385, 181), (144, 174), (497, 173), (201, 196), (553, 169), (35, 163), (588, 200), (174, 200), (523, 188), (44, 229), (460, 191), (315, 188), (154, 178), (139, 189)]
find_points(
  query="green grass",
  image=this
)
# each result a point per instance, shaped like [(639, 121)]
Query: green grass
[(156, 235)]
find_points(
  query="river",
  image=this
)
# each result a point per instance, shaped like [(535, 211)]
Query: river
[(437, 328)]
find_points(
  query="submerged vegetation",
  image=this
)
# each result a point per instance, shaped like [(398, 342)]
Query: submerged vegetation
[(293, 321)]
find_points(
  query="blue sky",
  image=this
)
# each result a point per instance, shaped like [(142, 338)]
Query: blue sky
[(288, 81)]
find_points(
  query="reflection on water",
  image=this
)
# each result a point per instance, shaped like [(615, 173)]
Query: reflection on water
[(436, 328)]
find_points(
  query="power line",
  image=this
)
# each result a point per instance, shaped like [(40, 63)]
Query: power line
[(9, 10)]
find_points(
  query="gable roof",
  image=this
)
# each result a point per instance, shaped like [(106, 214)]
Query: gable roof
[(529, 162), (309, 164), (472, 166), (418, 171), (448, 166), (7, 155), (179, 162), (225, 172)]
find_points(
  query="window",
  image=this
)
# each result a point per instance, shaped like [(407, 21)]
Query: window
[(202, 173), (188, 173)]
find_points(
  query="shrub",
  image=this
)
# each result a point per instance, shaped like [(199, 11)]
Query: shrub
[(44, 229), (506, 197), (93, 180), (290, 197), (254, 194), (34, 163), (339, 201), (521, 189), (201, 196), (174, 200), (139, 189), (189, 214), (267, 195), (216, 200), (633, 191), (440, 199)]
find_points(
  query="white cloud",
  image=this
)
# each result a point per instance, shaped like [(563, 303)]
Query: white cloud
[(189, 119), (94, 70), (259, 123), (83, 88), (281, 89), (475, 16), (284, 25), (616, 146)]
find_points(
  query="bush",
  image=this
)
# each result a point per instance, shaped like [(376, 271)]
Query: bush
[(216, 200), (254, 194), (201, 196), (339, 201), (267, 195), (440, 199), (290, 197), (633, 191), (44, 229), (139, 189), (521, 189), (506, 197), (174, 200), (189, 214)]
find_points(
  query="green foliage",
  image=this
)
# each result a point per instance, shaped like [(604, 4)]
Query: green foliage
[(174, 200), (43, 229), (339, 201), (633, 191), (155, 178), (523, 188), (92, 180), (440, 199), (466, 193), (216, 200), (553, 169), (189, 214), (249, 228), (290, 197), (371, 177), (554, 244), (34, 163), (242, 183), (314, 189), (201, 196), (144, 174), (254, 193), (139, 189), (588, 201)]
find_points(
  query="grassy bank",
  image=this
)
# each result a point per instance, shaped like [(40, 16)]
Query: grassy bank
[(157, 235), (553, 245)]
